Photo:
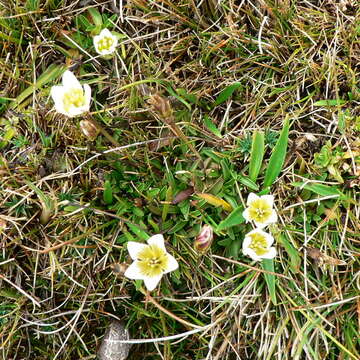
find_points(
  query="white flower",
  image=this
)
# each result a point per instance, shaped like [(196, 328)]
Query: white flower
[(257, 245), (151, 261), (105, 43), (260, 210), (70, 98)]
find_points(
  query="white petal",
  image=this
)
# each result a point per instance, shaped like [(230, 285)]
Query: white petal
[(270, 254), (172, 264), (246, 242), (157, 240), (260, 225), (246, 215), (134, 248), (57, 93), (87, 95), (75, 111), (96, 40), (70, 81), (272, 219), (105, 33), (133, 272), (269, 239), (268, 198), (151, 282), (252, 197), (251, 253)]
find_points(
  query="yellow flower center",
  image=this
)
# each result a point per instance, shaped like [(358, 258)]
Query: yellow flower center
[(260, 211), (74, 97), (258, 244), (152, 261), (105, 43)]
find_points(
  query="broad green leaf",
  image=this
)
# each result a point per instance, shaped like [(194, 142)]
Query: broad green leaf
[(320, 189), (226, 93), (234, 218), (268, 265), (214, 200), (211, 126), (257, 155), (277, 157), (334, 102)]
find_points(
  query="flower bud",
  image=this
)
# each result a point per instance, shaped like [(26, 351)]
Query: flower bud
[(204, 240), (89, 129)]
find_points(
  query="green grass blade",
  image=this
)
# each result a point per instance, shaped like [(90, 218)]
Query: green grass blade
[(257, 155), (268, 265), (277, 157)]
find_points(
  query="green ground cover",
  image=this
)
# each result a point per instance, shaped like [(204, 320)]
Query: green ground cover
[(202, 103)]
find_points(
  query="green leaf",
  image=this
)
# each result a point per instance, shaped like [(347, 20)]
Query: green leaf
[(226, 93), (95, 16), (268, 265), (295, 259), (320, 189), (233, 249), (178, 97), (334, 102), (257, 155), (108, 195), (47, 204), (234, 218), (277, 157), (169, 197), (50, 74), (247, 182), (211, 126), (138, 231)]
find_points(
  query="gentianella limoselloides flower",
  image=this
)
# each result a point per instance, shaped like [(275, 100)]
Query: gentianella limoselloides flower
[(151, 261), (257, 245), (105, 43), (260, 210), (71, 98)]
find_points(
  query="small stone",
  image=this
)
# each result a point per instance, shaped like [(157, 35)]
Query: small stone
[(111, 348)]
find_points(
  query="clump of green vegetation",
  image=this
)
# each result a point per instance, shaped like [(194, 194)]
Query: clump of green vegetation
[(194, 106)]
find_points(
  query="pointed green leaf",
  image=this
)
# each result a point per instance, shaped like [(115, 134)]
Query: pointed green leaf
[(211, 126), (277, 157), (333, 102), (226, 93), (268, 265), (234, 218), (295, 259), (257, 155), (247, 182), (108, 193), (320, 189)]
